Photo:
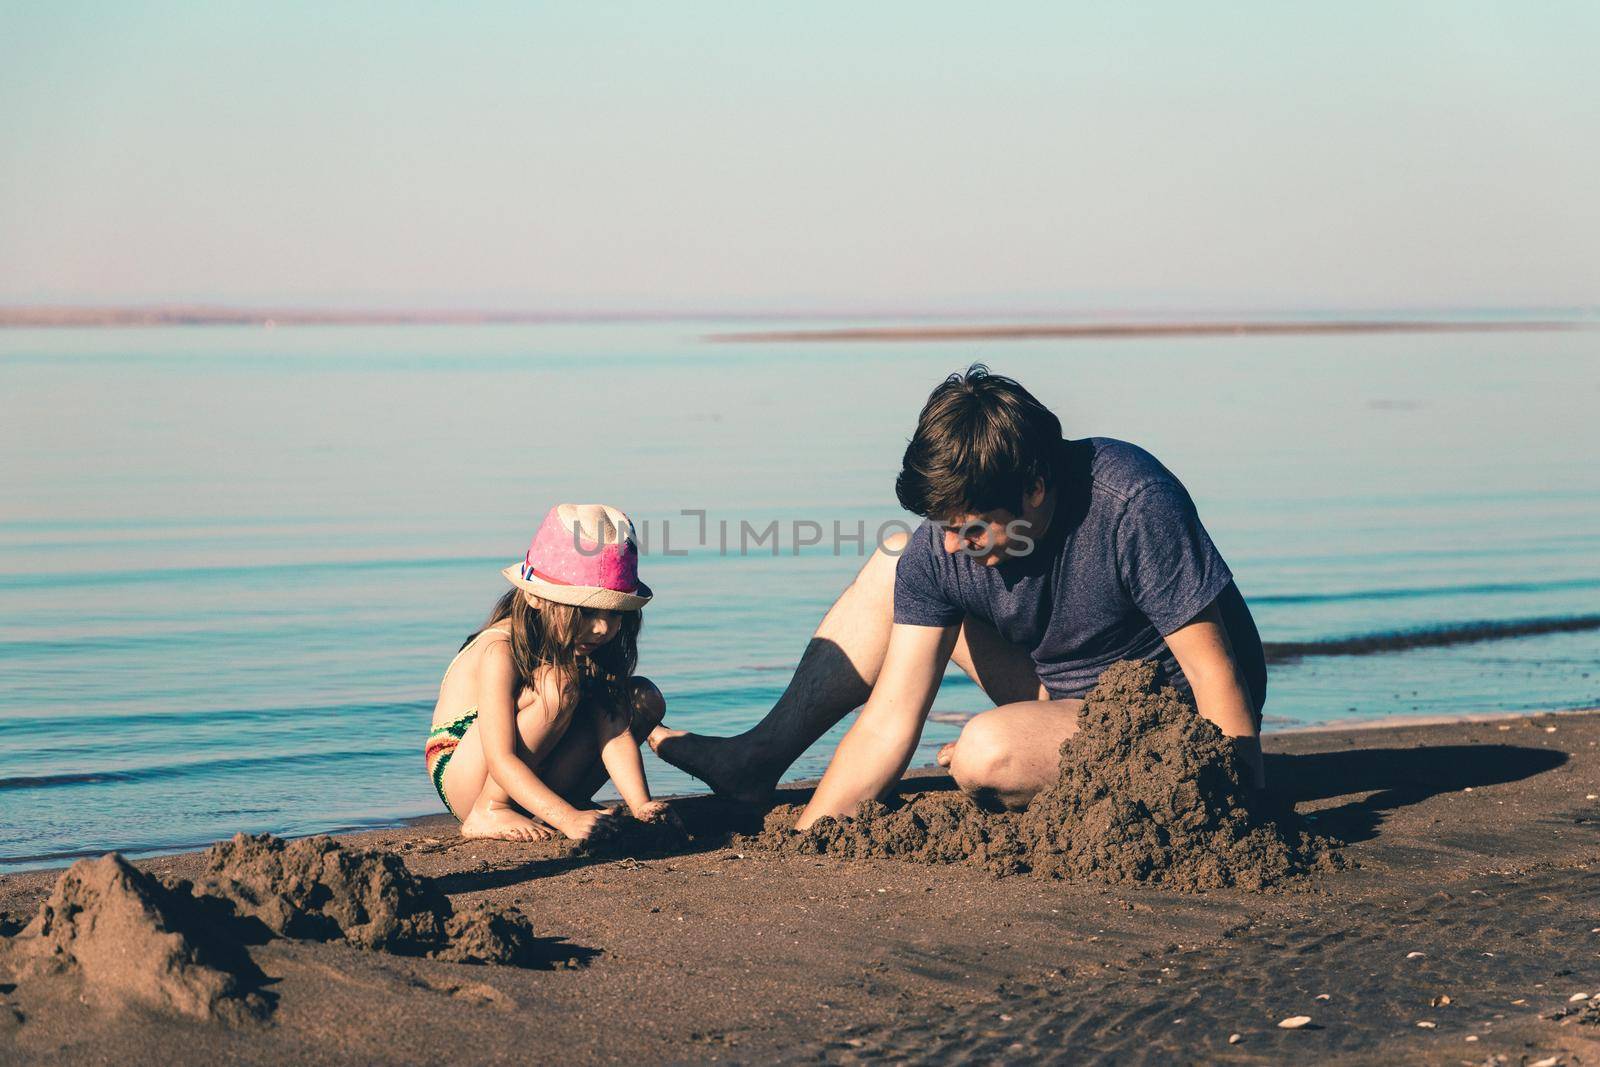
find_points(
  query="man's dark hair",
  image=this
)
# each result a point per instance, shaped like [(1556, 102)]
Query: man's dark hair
[(982, 441)]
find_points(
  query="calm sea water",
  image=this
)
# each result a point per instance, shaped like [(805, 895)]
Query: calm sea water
[(235, 561)]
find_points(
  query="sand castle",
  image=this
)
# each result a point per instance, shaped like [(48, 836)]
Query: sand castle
[(1149, 793)]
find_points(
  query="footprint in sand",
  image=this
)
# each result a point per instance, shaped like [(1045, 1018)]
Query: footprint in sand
[(474, 992), (389, 983)]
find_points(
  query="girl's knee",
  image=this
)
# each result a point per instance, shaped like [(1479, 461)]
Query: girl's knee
[(555, 691)]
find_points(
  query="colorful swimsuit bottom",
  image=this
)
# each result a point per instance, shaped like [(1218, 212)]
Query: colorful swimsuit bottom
[(443, 739), (442, 742)]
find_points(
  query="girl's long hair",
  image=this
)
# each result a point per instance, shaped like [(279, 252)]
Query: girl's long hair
[(543, 634)]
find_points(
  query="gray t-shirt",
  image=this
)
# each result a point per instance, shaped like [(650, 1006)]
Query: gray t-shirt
[(1124, 562)]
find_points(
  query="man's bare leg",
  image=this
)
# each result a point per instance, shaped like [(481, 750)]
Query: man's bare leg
[(835, 676), (1006, 755), (1002, 670)]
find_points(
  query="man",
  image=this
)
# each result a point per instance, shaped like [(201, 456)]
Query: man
[(1043, 561)]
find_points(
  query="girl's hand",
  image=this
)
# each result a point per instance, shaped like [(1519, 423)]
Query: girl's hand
[(657, 811), (589, 825)]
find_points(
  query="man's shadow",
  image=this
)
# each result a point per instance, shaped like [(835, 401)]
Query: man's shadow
[(1396, 778)]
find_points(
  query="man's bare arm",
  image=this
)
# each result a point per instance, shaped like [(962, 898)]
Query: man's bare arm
[(1202, 649), (878, 746)]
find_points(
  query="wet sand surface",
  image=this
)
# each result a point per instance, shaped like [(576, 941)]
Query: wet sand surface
[(1470, 901)]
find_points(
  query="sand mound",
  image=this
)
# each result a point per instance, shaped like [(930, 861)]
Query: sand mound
[(132, 941), (628, 836), (319, 890), (480, 934), (1149, 792), (180, 947), (316, 889), (924, 829)]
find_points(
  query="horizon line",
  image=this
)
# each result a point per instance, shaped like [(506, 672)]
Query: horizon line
[(1103, 321)]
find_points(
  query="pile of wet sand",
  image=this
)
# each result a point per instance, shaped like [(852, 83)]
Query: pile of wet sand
[(625, 835), (1149, 792), (130, 939), (316, 889)]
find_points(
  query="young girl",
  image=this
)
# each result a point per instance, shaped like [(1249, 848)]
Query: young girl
[(542, 704)]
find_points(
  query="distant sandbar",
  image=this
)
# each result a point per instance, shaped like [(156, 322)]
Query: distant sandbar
[(1037, 331), (184, 315)]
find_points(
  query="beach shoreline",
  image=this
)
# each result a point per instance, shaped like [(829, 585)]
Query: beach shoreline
[(1471, 844), (48, 864)]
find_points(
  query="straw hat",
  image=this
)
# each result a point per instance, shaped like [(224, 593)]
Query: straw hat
[(584, 555)]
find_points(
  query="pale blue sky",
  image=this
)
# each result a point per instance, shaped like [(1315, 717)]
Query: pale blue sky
[(820, 155)]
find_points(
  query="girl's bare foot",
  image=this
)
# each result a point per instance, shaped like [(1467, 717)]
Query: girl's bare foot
[(723, 763), (502, 822), (946, 753)]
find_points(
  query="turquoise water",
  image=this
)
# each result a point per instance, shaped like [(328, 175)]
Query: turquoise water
[(235, 561)]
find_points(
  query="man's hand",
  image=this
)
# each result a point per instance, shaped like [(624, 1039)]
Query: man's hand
[(877, 748), (1248, 750), (1201, 648)]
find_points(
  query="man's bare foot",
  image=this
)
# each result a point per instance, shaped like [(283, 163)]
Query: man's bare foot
[(503, 823), (723, 763), (947, 752)]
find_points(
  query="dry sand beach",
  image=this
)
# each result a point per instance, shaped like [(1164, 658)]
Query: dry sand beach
[(1461, 928)]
